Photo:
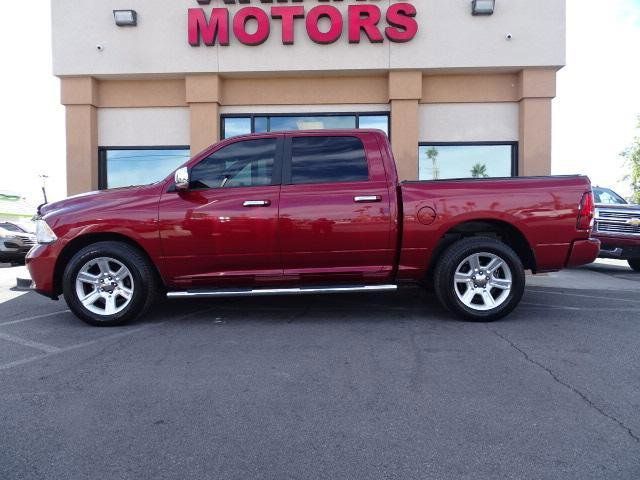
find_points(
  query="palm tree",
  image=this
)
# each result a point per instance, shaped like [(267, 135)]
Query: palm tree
[(479, 170), (432, 154)]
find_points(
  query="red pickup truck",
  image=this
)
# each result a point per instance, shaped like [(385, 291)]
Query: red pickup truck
[(308, 212)]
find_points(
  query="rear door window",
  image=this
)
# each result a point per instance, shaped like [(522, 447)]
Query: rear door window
[(320, 159)]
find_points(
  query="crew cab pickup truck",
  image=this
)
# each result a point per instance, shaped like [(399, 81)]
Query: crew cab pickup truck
[(617, 226), (302, 213)]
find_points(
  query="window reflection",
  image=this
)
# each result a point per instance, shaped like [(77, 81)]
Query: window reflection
[(128, 167), (238, 125), (465, 161)]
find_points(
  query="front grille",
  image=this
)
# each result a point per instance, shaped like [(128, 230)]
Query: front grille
[(617, 221), (617, 228)]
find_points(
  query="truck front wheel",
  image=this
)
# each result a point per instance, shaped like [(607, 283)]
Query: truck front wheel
[(634, 263), (480, 279), (108, 284)]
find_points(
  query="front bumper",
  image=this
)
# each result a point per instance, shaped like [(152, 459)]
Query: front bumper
[(618, 247), (41, 263), (583, 252)]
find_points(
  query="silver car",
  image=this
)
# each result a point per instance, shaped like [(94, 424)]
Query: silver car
[(15, 242)]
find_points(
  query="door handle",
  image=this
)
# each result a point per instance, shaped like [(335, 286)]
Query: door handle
[(257, 203), (368, 199)]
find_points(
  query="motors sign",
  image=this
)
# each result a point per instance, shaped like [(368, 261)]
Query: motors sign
[(363, 21)]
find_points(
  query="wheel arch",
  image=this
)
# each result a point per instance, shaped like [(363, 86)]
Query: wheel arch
[(499, 229), (87, 239)]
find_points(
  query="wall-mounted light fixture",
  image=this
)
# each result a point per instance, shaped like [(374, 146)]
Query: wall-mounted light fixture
[(125, 18), (483, 7)]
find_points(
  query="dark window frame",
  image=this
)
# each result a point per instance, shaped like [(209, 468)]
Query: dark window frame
[(288, 159), (253, 116), (515, 154), (102, 158)]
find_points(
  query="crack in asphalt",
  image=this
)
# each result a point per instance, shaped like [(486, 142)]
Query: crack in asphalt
[(558, 380)]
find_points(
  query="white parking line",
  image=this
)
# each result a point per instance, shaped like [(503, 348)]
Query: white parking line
[(576, 309), (74, 347), (45, 315), (583, 296), (90, 342), (29, 343)]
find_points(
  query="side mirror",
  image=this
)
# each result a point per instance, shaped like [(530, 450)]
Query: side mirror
[(182, 179)]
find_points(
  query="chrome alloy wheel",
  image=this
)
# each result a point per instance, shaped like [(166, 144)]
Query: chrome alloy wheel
[(104, 286), (483, 281)]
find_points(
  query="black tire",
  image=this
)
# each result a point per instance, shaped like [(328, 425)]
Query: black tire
[(634, 263), (452, 258), (145, 288)]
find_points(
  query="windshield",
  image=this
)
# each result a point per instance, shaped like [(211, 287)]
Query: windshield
[(11, 227), (606, 196)]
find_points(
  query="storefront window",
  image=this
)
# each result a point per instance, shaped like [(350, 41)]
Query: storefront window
[(380, 122), (478, 160), (233, 125), (122, 167)]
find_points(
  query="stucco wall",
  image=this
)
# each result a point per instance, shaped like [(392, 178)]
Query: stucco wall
[(469, 122), (143, 126), (449, 38)]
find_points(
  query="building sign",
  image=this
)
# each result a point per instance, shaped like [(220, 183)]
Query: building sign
[(364, 21)]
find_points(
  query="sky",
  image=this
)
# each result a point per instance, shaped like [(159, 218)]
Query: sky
[(595, 112)]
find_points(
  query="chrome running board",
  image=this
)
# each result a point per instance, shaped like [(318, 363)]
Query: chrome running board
[(279, 291)]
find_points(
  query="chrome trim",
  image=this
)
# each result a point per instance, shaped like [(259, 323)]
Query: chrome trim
[(367, 199), (618, 222), (181, 179), (280, 291), (256, 203)]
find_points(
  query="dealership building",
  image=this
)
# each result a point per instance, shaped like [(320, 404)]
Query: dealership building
[(463, 88)]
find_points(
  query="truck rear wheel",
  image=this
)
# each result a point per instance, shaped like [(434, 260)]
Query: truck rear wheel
[(109, 284), (479, 279), (634, 263)]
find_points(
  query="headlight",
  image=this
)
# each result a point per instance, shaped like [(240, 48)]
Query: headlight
[(44, 234)]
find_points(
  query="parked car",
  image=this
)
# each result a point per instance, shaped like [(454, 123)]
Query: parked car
[(617, 226), (15, 242), (308, 212)]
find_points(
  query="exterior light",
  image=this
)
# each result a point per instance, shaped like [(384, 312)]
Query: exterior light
[(483, 7), (125, 18)]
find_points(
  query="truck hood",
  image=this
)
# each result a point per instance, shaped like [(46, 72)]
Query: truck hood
[(608, 206), (91, 200)]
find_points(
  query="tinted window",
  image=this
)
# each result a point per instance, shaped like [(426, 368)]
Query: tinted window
[(126, 167), (242, 164), (328, 160)]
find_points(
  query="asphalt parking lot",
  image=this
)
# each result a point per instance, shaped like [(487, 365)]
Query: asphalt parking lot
[(365, 386)]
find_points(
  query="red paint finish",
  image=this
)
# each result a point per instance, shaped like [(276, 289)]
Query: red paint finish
[(326, 236), (288, 16), (209, 238), (401, 25), (583, 251), (401, 17), (314, 233), (364, 18), (240, 21), (335, 20), (212, 30)]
